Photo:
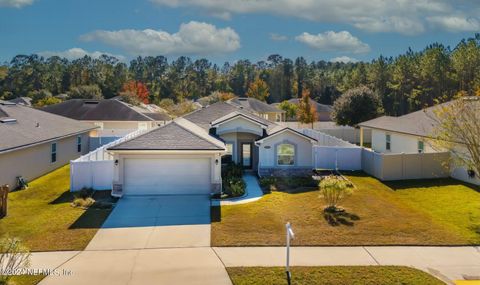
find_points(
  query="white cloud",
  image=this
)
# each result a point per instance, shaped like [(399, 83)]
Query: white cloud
[(331, 41), (456, 23), (15, 3), (278, 37), (75, 53), (193, 38), (343, 59), (401, 16)]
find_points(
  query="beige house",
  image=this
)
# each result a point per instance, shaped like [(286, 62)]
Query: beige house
[(33, 142), (410, 134)]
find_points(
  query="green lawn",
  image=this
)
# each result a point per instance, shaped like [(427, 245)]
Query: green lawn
[(432, 212), (338, 275), (44, 219)]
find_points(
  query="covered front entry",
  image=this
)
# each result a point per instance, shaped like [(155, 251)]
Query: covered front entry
[(167, 176)]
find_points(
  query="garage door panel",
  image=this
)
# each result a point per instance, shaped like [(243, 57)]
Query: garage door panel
[(167, 176)]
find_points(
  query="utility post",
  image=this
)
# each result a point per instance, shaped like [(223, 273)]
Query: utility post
[(290, 235)]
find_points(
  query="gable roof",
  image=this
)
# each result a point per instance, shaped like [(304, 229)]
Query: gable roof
[(282, 129), (103, 110), (234, 115), (34, 126), (203, 117), (254, 105), (27, 101), (419, 123), (177, 135)]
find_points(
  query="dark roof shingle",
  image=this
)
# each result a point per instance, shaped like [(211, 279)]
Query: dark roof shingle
[(34, 126), (254, 105)]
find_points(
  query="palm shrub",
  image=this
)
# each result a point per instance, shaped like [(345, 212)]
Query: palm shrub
[(14, 256), (333, 190)]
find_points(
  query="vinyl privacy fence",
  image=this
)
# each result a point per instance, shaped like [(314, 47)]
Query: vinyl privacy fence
[(333, 153), (95, 169), (404, 166)]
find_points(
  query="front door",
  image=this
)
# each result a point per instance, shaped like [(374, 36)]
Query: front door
[(247, 155)]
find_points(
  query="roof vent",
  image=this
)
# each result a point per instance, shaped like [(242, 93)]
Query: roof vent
[(91, 102), (242, 99), (8, 121)]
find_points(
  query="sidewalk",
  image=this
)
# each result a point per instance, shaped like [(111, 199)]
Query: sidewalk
[(446, 263), (253, 192)]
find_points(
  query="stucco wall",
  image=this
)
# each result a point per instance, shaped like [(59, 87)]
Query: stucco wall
[(237, 139), (400, 143), (34, 161), (239, 125), (303, 149)]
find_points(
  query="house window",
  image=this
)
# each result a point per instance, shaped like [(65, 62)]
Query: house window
[(278, 117), (388, 143), (421, 147), (227, 158), (286, 154), (53, 153), (79, 144)]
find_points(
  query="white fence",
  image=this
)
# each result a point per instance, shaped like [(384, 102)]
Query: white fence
[(95, 169), (334, 153), (345, 133)]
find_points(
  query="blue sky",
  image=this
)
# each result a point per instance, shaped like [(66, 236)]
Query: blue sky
[(232, 29)]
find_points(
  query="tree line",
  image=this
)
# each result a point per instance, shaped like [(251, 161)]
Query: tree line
[(404, 83)]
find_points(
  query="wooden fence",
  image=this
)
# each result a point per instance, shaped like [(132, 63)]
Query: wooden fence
[(3, 200)]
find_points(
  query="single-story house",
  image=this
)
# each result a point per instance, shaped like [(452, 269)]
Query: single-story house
[(409, 134), (34, 142), (259, 108), (113, 117), (324, 112), (185, 156)]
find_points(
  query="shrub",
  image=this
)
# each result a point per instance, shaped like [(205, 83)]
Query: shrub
[(232, 170), (234, 186), (83, 202), (267, 181), (14, 256), (333, 190)]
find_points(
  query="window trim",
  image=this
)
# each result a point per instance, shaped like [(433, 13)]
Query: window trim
[(388, 142), (79, 144), (277, 146), (53, 153), (422, 149)]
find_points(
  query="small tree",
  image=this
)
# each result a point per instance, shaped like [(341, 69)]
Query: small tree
[(357, 105), (47, 101), (13, 257), (138, 89), (458, 131), (306, 113), (258, 89), (334, 190), (289, 108), (130, 98)]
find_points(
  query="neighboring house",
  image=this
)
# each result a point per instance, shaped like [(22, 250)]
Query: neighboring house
[(27, 101), (408, 134), (259, 108), (113, 117), (185, 156), (324, 112), (33, 142)]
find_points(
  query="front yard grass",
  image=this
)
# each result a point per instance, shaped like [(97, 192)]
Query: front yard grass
[(26, 280), (348, 275), (42, 217), (433, 212)]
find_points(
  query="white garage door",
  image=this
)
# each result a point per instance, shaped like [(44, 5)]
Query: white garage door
[(166, 176)]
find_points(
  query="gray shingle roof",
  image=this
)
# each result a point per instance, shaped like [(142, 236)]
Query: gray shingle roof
[(420, 123), (101, 110), (34, 126), (22, 100), (254, 105), (172, 136), (203, 117)]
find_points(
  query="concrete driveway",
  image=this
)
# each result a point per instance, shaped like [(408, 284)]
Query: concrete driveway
[(142, 222)]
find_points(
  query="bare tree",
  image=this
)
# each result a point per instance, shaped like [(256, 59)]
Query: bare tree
[(458, 131)]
